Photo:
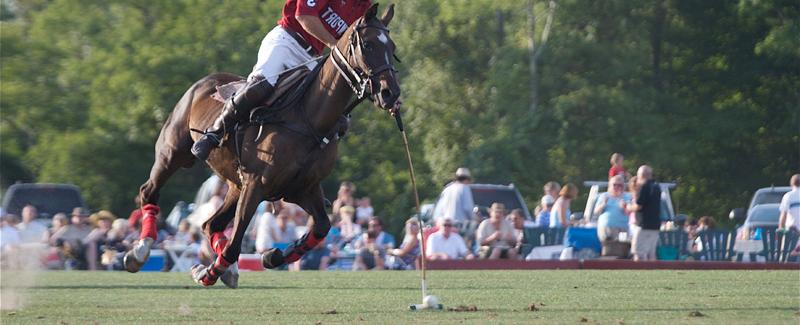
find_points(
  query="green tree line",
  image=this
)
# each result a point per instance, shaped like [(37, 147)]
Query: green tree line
[(707, 92)]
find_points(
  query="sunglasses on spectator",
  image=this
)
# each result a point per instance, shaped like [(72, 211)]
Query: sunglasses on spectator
[(620, 185), (447, 225)]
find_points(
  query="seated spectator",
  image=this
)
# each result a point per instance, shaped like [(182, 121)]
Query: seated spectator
[(496, 235), (31, 231), (364, 211), (9, 241), (559, 216), (405, 257), (349, 229), (371, 246), (316, 259), (114, 247), (284, 228), (97, 237), (70, 240), (545, 206), (517, 220), (612, 207), (446, 244), (183, 235)]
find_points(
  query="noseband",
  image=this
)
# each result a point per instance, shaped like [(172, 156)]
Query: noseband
[(356, 78)]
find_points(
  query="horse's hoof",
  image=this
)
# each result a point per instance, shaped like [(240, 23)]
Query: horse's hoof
[(272, 258), (200, 275), (138, 255), (231, 276)]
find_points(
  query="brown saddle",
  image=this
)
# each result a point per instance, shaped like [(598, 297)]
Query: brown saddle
[(287, 81)]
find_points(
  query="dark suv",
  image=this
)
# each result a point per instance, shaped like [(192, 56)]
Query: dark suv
[(48, 199)]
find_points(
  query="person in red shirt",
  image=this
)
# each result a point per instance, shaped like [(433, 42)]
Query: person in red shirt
[(616, 165), (306, 27)]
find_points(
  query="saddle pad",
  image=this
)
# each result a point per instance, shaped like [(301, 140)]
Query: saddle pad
[(286, 82)]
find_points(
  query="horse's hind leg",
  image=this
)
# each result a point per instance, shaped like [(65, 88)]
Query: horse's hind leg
[(172, 153), (251, 196), (314, 203)]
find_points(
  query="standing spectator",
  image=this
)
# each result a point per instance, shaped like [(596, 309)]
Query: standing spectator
[(616, 165), (545, 206), (648, 204), (633, 188), (31, 231), (790, 206), (496, 235), (349, 229), (405, 257), (611, 207), (372, 246), (344, 197), (456, 202), (551, 188), (446, 244), (559, 216), (364, 211), (265, 230)]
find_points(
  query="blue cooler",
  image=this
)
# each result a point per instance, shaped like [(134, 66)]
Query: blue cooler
[(155, 263), (580, 238)]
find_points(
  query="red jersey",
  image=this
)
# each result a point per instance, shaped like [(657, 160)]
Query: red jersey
[(336, 16), (614, 171)]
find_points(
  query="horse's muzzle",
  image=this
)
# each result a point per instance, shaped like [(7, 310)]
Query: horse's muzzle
[(388, 96)]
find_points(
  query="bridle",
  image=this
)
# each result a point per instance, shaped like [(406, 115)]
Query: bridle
[(358, 79)]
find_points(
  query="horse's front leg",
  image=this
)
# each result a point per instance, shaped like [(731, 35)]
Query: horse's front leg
[(313, 202), (251, 195)]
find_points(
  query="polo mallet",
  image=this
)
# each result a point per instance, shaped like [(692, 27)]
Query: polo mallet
[(427, 301)]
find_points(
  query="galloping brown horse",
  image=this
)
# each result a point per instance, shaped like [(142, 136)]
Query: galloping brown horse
[(294, 156)]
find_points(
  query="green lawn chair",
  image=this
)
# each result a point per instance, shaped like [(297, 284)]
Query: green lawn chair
[(717, 245)]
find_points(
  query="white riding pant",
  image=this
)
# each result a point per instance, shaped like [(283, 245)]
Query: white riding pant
[(279, 52)]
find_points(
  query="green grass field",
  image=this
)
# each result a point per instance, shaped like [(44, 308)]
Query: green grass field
[(562, 296)]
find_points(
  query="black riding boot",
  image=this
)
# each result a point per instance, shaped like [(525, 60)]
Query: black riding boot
[(234, 111)]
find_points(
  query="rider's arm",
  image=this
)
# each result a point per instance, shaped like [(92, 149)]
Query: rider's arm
[(314, 26)]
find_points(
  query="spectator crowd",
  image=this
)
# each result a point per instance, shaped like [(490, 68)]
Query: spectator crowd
[(628, 212)]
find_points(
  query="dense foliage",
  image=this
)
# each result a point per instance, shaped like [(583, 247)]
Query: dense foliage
[(705, 91)]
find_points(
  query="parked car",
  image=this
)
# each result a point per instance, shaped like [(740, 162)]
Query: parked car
[(763, 210), (484, 195), (598, 187), (48, 199)]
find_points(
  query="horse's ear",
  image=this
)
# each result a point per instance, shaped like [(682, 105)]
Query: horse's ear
[(372, 12), (387, 15)]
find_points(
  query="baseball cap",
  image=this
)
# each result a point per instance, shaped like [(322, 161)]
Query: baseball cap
[(463, 172)]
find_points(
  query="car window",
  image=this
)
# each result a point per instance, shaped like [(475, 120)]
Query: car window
[(769, 197), (48, 201), (770, 215), (484, 197)]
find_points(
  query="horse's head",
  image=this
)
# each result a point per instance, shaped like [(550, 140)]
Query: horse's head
[(369, 55)]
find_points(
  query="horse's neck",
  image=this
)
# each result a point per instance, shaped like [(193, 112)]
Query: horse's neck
[(326, 101)]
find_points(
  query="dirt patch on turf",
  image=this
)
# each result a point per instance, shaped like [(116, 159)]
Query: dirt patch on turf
[(696, 314), (330, 312), (463, 308)]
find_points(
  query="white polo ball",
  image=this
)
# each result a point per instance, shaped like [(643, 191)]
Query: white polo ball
[(431, 301)]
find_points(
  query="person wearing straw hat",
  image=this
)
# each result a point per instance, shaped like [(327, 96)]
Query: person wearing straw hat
[(101, 221), (496, 235)]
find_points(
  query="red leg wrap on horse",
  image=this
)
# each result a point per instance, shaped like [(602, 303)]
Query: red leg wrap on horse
[(221, 263), (218, 242), (149, 215), (301, 246)]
